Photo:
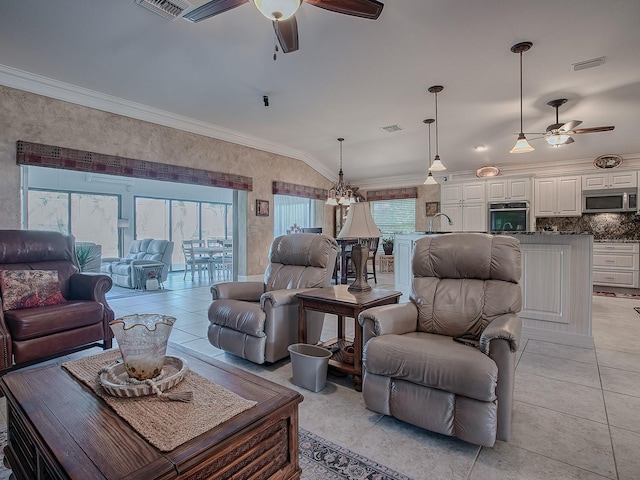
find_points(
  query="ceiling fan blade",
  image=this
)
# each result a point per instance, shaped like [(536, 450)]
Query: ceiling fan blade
[(209, 9), (287, 34), (593, 130), (569, 140), (570, 125), (358, 8)]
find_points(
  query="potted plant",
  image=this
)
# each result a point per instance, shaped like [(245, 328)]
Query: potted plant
[(86, 254), (387, 246)]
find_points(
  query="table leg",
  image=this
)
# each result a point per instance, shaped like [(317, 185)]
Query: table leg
[(357, 353), (302, 322), (341, 329), (343, 263)]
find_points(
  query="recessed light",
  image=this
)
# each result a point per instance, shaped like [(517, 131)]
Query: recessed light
[(480, 148)]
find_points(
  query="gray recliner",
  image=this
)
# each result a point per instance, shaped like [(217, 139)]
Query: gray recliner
[(142, 251), (465, 286), (259, 320)]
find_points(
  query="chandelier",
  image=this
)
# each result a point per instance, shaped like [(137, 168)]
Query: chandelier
[(341, 193)]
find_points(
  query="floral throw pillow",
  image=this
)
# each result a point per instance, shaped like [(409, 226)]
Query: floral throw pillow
[(29, 288)]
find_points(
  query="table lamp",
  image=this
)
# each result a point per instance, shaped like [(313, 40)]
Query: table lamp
[(359, 224)]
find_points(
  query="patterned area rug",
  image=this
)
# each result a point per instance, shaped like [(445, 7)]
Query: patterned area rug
[(319, 460), (616, 295)]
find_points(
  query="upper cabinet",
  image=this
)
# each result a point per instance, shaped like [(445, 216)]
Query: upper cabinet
[(463, 192), (558, 197), (465, 204), (605, 180), (509, 189)]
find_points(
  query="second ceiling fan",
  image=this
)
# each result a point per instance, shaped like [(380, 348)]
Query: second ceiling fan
[(561, 133), (282, 14)]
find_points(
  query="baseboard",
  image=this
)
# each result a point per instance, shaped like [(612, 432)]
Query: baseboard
[(563, 338)]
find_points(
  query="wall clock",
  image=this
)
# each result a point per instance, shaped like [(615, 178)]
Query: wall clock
[(607, 161)]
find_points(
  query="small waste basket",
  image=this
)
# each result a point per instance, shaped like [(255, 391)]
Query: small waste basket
[(309, 364)]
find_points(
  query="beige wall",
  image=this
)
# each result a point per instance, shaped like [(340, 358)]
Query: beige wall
[(39, 119)]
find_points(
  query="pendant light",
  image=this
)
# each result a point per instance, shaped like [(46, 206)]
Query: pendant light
[(430, 179), (521, 146), (437, 165), (341, 193)]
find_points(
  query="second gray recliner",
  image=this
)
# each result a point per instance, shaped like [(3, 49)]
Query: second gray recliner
[(259, 320)]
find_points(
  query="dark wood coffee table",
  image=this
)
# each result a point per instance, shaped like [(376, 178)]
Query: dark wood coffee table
[(340, 301), (58, 429)]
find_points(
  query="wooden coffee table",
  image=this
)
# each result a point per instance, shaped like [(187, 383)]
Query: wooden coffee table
[(58, 429), (340, 301)]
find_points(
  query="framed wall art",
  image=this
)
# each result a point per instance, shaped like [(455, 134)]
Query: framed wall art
[(262, 208), (432, 208)]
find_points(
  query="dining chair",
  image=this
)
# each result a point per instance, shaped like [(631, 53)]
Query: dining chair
[(192, 260)]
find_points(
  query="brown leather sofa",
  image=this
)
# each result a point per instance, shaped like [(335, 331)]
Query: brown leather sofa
[(259, 320), (30, 335), (465, 286)]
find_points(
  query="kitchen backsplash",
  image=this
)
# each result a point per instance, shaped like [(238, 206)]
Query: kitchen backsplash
[(603, 226)]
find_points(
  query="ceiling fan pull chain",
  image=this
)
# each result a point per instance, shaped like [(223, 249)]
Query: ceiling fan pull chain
[(275, 48)]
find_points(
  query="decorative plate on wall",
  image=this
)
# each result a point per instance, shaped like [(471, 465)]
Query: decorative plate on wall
[(487, 172), (608, 161)]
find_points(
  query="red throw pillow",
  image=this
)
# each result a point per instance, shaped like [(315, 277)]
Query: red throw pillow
[(29, 288)]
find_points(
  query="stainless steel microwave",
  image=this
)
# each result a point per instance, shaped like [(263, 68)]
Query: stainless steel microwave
[(605, 201)]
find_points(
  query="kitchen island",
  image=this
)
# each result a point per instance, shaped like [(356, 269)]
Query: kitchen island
[(556, 283)]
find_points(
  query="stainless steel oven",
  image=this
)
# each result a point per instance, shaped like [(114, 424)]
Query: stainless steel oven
[(509, 217)]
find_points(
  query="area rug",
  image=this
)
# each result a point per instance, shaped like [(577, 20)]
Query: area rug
[(616, 295), (319, 460)]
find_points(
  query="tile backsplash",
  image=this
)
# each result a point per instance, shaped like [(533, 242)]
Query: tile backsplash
[(603, 226)]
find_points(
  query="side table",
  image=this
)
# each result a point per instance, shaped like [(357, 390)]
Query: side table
[(143, 271), (343, 303)]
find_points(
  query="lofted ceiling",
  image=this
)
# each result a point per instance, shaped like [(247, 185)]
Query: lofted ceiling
[(353, 76)]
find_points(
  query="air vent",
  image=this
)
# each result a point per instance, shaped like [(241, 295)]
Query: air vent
[(392, 128), (168, 9), (594, 62)]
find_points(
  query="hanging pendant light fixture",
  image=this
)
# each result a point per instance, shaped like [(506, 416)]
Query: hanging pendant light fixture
[(521, 146), (341, 193), (430, 179), (437, 165)]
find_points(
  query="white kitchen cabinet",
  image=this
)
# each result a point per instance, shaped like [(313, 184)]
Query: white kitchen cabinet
[(403, 271), (463, 192), (558, 196), (515, 189), (465, 204), (616, 264), (606, 180)]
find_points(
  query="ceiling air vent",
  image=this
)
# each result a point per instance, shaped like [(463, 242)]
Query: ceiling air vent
[(168, 9), (594, 62), (392, 128)]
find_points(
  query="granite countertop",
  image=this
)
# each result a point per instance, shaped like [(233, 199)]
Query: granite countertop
[(616, 240)]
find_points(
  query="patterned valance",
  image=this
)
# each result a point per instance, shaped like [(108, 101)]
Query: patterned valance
[(392, 194), (283, 188), (50, 156)]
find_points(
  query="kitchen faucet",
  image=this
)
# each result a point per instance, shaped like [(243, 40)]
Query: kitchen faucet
[(434, 217), (504, 227)]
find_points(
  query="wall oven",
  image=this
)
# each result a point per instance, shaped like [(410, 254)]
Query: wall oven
[(509, 217)]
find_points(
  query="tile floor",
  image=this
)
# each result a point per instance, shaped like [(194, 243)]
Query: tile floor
[(575, 412)]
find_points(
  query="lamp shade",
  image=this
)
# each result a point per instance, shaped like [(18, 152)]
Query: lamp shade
[(437, 165), (522, 146), (430, 180), (359, 223)]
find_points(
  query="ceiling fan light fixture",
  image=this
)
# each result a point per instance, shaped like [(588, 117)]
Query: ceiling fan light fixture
[(557, 139), (278, 10), (522, 146)]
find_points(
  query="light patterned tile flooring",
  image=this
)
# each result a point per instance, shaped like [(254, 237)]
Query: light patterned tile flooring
[(574, 417)]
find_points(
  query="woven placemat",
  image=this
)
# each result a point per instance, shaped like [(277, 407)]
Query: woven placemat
[(164, 424)]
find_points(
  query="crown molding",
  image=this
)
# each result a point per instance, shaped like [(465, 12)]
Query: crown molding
[(48, 87)]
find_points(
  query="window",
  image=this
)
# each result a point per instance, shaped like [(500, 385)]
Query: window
[(394, 216), (88, 217), (289, 210)]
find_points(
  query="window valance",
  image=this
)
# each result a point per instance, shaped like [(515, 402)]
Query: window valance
[(50, 156), (293, 190), (392, 194)]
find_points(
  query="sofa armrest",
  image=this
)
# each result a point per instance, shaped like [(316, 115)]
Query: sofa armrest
[(6, 355), (506, 327), (110, 259), (248, 291), (89, 286), (398, 319)]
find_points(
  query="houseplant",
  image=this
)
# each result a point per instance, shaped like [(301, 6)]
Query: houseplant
[(387, 245), (86, 254)]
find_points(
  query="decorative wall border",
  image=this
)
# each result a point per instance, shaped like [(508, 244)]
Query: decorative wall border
[(392, 194), (283, 188), (50, 156)]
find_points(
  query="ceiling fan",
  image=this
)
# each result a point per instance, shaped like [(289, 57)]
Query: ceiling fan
[(560, 133), (282, 14)]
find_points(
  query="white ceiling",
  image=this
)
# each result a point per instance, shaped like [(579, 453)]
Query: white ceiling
[(353, 76)]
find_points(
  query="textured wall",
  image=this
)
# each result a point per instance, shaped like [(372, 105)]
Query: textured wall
[(35, 118)]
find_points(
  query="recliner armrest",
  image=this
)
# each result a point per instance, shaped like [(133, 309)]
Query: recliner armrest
[(110, 259), (281, 297), (89, 286), (507, 327), (248, 291), (398, 319)]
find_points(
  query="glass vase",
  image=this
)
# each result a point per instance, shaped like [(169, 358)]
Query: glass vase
[(142, 339)]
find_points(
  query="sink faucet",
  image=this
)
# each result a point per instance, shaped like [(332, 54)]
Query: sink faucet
[(504, 227), (434, 217)]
